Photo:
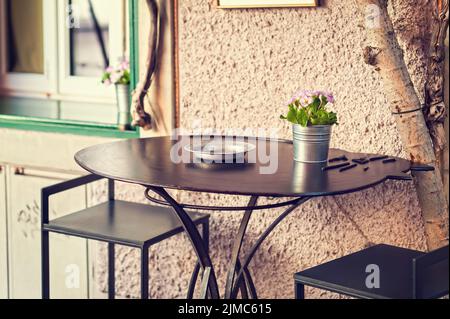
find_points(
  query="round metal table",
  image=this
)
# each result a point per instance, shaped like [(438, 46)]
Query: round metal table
[(149, 162)]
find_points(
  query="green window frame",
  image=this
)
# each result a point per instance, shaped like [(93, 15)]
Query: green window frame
[(78, 127)]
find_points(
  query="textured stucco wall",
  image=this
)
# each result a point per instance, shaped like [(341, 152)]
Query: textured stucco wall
[(237, 68)]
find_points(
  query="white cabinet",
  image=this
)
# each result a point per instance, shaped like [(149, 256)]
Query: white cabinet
[(44, 156), (3, 236), (68, 255)]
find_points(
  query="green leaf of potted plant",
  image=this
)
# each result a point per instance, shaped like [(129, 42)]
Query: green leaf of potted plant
[(312, 125)]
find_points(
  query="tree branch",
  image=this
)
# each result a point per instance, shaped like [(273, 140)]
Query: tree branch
[(140, 116)]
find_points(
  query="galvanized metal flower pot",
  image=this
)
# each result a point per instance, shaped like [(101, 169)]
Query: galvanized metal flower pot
[(123, 106), (312, 143)]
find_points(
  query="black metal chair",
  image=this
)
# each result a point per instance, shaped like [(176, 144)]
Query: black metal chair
[(114, 222), (402, 274)]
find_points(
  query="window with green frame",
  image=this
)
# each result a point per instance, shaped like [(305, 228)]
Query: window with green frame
[(52, 57)]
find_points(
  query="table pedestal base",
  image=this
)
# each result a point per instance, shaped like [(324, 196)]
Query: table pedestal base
[(239, 278)]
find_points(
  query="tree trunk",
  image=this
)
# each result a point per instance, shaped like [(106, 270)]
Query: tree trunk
[(384, 52), (435, 109)]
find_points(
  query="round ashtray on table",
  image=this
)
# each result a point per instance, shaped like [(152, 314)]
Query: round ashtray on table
[(220, 151)]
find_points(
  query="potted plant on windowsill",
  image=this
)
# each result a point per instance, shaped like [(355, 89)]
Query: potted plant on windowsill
[(120, 77), (312, 125)]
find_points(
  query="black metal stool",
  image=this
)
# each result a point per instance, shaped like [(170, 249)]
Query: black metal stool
[(403, 274), (114, 222)]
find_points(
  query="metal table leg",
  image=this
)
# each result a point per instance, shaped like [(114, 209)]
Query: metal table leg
[(209, 281), (243, 274), (239, 277), (232, 268), (194, 277)]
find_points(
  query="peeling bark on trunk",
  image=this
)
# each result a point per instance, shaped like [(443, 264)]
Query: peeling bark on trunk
[(384, 53), (435, 109)]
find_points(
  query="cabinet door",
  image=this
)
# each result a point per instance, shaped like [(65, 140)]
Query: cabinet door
[(68, 255), (3, 238)]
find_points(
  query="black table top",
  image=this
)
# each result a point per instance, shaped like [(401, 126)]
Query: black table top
[(148, 162)]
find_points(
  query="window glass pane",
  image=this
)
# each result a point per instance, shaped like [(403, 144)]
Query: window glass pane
[(25, 36), (89, 37), (58, 110)]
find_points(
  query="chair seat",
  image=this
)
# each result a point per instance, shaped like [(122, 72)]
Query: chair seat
[(122, 222), (347, 275)]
